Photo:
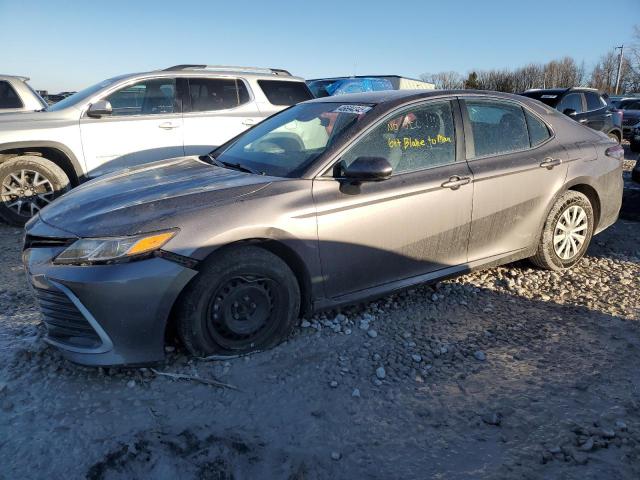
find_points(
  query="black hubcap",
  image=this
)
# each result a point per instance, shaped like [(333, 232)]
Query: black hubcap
[(241, 309)]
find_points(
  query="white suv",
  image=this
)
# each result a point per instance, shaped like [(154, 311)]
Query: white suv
[(16, 95), (129, 120)]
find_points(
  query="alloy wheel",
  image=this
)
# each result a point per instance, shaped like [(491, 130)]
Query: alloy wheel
[(570, 232), (26, 192)]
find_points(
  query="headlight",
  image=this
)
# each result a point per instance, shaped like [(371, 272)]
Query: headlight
[(102, 250)]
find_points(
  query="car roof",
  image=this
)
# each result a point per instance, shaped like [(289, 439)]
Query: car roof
[(14, 77), (402, 96), (562, 90)]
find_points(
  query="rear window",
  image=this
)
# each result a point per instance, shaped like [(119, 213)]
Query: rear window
[(285, 93), (549, 98), (8, 96)]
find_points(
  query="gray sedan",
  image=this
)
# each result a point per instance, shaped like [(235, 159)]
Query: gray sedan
[(329, 202)]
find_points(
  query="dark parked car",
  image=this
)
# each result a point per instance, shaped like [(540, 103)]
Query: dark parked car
[(631, 121), (329, 202), (584, 105)]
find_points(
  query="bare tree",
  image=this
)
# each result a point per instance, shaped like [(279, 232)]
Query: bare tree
[(444, 80)]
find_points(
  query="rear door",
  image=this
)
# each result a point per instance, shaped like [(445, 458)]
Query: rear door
[(517, 168), (597, 115), (146, 125), (415, 222), (216, 110)]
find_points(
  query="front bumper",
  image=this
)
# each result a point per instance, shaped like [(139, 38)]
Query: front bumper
[(103, 315)]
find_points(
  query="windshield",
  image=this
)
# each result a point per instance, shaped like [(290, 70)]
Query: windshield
[(629, 105), (83, 95), (287, 143)]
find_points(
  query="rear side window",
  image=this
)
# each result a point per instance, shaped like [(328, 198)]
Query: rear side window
[(8, 96), (538, 131), (594, 101), (280, 92), (210, 94), (572, 101), (497, 127), (151, 97)]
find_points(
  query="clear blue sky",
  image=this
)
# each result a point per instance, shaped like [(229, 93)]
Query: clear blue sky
[(69, 45)]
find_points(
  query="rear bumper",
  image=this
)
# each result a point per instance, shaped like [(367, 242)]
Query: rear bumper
[(105, 315)]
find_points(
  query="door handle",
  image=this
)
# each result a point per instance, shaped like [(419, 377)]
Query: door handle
[(167, 126), (583, 120), (248, 122), (607, 114), (549, 163), (456, 182)]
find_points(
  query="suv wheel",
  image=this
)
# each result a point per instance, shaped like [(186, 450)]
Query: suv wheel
[(634, 146), (615, 137), (245, 300), (566, 233), (27, 184)]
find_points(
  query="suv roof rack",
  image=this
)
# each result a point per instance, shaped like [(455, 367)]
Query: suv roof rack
[(228, 68)]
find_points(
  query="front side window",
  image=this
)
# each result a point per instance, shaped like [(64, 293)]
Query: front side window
[(538, 130), (572, 101), (282, 92), (8, 96), (285, 144), (151, 97), (210, 94), (497, 127), (417, 138), (594, 102)]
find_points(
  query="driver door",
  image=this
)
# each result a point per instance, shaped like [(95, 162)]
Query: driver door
[(415, 222), (145, 126)]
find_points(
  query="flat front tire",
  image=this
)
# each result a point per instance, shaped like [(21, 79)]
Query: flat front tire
[(27, 184), (566, 233), (244, 299)]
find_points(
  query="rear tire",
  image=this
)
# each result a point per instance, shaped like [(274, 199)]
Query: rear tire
[(244, 299), (566, 233), (634, 146), (27, 184)]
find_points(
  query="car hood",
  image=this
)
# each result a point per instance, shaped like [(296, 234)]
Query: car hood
[(35, 119), (135, 200)]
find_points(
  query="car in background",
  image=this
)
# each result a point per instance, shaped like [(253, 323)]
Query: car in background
[(630, 108), (327, 203), (585, 105), (16, 95), (130, 120), (324, 87)]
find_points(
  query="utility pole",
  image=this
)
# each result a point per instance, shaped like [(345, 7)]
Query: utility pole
[(621, 47)]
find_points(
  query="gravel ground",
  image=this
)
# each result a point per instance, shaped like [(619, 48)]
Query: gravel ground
[(507, 373)]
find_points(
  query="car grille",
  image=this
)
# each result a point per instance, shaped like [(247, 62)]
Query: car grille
[(31, 241), (629, 121), (64, 322)]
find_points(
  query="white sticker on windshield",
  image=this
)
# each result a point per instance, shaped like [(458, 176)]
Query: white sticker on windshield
[(548, 96), (356, 109)]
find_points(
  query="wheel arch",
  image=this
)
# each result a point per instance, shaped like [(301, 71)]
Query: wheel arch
[(58, 153), (278, 248)]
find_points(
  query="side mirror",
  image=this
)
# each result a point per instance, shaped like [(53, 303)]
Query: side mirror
[(99, 109), (368, 169), (569, 112)]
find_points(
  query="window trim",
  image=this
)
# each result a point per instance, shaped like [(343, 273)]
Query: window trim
[(186, 100), (15, 92), (469, 141), (327, 172)]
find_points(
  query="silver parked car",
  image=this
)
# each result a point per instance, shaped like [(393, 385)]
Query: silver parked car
[(331, 201), (16, 95)]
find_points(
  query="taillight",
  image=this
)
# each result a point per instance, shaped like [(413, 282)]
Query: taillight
[(616, 152)]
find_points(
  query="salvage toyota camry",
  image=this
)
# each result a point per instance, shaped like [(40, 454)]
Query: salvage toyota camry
[(329, 202)]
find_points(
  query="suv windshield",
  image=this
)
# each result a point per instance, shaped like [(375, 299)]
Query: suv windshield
[(287, 143), (629, 105), (83, 95)]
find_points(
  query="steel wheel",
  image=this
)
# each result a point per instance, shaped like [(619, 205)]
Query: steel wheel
[(26, 192), (570, 232), (241, 310)]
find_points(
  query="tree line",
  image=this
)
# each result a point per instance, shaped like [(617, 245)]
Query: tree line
[(565, 72)]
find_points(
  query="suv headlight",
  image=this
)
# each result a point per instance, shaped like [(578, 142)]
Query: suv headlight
[(111, 249)]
